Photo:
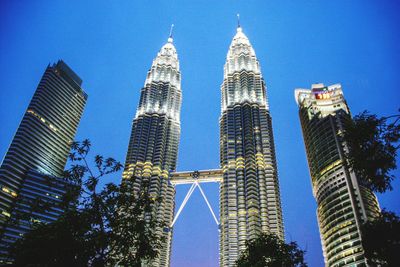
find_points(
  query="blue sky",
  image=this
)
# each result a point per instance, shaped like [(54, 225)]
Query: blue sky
[(111, 44)]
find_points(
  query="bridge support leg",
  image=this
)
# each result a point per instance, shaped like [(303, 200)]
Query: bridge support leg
[(189, 193), (208, 204)]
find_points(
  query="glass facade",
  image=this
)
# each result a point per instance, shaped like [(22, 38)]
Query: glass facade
[(343, 203), (42, 141), (36, 188), (249, 191), (153, 145)]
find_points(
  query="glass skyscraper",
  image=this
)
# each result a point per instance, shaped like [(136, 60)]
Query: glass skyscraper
[(343, 203), (153, 145), (41, 144), (249, 192), (37, 189)]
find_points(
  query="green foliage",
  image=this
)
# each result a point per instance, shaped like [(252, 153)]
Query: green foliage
[(267, 250), (381, 240), (133, 238), (100, 227), (61, 243), (373, 143)]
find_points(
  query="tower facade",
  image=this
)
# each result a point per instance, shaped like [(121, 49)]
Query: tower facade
[(153, 145), (37, 187), (41, 144), (249, 191), (343, 203)]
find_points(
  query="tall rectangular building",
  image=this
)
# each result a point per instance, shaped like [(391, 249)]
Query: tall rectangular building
[(42, 141), (38, 201), (343, 203), (153, 145), (249, 193)]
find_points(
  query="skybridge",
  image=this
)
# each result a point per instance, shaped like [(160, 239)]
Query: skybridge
[(195, 178)]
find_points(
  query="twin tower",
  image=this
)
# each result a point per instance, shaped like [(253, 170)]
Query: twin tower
[(249, 188)]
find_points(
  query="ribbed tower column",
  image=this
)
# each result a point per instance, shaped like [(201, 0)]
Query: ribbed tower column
[(344, 204), (153, 145), (249, 194)]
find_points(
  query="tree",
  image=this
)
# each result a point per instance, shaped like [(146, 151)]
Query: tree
[(373, 143), (268, 250), (60, 243), (133, 238), (381, 240), (100, 227), (372, 149)]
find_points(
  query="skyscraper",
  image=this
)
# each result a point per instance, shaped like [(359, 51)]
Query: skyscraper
[(42, 141), (37, 189), (249, 192), (343, 203), (153, 145)]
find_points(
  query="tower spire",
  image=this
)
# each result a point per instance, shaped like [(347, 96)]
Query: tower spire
[(170, 39), (238, 20)]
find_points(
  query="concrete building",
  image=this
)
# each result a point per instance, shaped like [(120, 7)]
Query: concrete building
[(343, 203)]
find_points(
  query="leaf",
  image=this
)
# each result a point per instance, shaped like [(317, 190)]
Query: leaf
[(372, 149)]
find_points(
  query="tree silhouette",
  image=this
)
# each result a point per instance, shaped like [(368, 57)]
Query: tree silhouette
[(267, 250), (372, 149), (100, 227), (381, 240)]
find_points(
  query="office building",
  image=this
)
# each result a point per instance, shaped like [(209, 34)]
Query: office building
[(343, 203), (39, 201), (153, 145), (41, 144), (249, 192)]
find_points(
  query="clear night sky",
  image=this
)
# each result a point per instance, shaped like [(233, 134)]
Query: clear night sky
[(111, 45)]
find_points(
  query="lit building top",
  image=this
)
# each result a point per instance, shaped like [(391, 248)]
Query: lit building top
[(165, 67), (243, 81), (321, 100), (241, 55), (161, 93)]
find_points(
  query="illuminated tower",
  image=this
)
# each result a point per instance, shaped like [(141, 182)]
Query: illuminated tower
[(249, 193), (153, 145), (41, 143), (343, 203)]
